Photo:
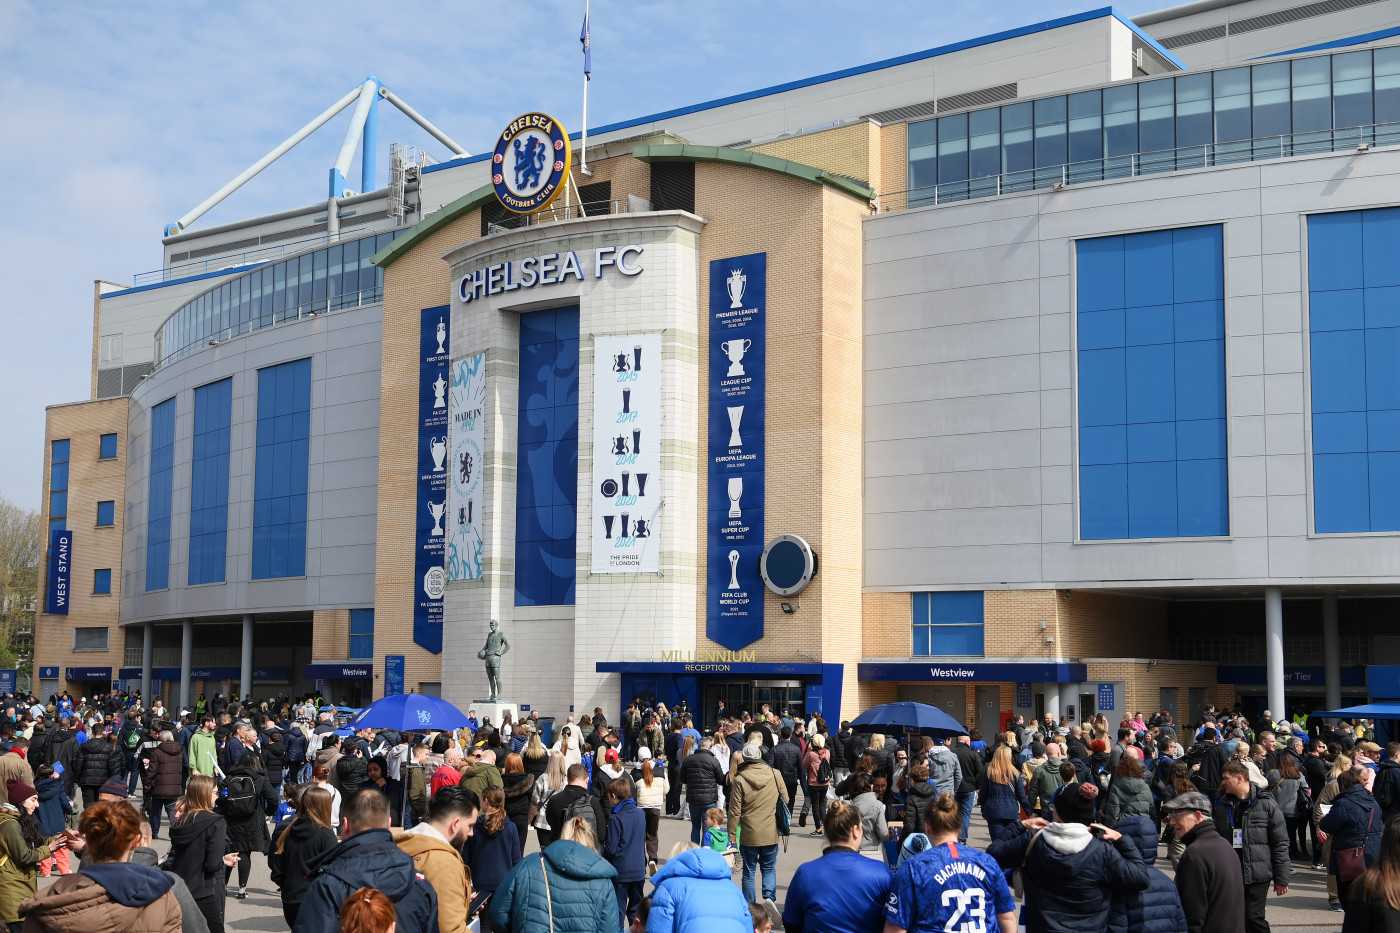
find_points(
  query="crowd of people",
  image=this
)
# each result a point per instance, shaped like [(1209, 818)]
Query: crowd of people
[(428, 832)]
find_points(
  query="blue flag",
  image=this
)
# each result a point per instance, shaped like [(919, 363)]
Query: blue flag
[(587, 41)]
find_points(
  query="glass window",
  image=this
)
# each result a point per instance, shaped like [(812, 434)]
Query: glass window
[(102, 581), (1193, 110), (1120, 132), (947, 624), (984, 142), (58, 503), (1351, 92), (1312, 94), (952, 149), (106, 513), (1017, 144), (1232, 122), (923, 154), (304, 278), (333, 269), (1386, 65), (318, 279), (279, 287), (1051, 148), (1156, 125), (1271, 116), (1086, 129), (361, 633), (107, 447)]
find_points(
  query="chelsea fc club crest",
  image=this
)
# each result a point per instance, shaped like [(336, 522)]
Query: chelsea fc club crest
[(530, 164)]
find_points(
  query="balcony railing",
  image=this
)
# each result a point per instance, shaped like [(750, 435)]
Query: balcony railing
[(1356, 139), (231, 262)]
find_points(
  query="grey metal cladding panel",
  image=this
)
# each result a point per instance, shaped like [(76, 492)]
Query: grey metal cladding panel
[(347, 531), (959, 235), (953, 270), (1369, 556), (959, 527), (345, 437), (912, 456), (357, 387), (344, 503), (954, 417), (353, 360), (919, 568), (993, 301), (980, 340), (922, 220), (362, 473), (358, 416), (1157, 560), (931, 491), (953, 379), (348, 559)]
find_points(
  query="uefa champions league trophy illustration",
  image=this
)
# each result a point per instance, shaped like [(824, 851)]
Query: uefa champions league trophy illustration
[(735, 350), (736, 413), (441, 335), (437, 510), (735, 284), (736, 492), (733, 571), (438, 447)]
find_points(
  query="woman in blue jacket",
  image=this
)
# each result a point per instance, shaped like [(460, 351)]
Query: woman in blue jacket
[(1354, 820), (625, 848), (567, 888), (1157, 909), (494, 849), (1003, 793), (695, 894)]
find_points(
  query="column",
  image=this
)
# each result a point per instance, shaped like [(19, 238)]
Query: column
[(1052, 702), (245, 670), (1273, 649), (186, 661), (148, 641), (1331, 652)]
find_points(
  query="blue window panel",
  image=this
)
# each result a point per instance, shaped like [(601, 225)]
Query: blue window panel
[(282, 462), (56, 525), (1100, 330), (1380, 246), (1150, 325), (1383, 368), (1202, 498), (58, 503), (1103, 492), (1150, 372), (102, 581), (106, 512), (1381, 432), (107, 447), (1341, 484), (1102, 387), (60, 452), (1204, 439), (957, 640), (1343, 309), (1339, 371), (1099, 279), (1151, 442), (921, 641), (1340, 432), (361, 633), (1147, 269), (159, 495), (1198, 264), (1200, 380), (1108, 444), (919, 604), (1200, 320), (1382, 306), (952, 608), (58, 476), (1384, 469), (1335, 251), (209, 483), (1151, 500)]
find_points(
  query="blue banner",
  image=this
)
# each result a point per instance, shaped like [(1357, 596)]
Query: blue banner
[(393, 675), (429, 577), (89, 673), (60, 572), (7, 681), (48, 673), (737, 367), (1023, 695), (1105, 697)]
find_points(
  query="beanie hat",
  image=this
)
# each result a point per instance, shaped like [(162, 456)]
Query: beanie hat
[(752, 753), (18, 792), (819, 740), (115, 787), (1074, 805)]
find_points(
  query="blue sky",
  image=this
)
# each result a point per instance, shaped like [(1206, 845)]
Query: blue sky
[(120, 117)]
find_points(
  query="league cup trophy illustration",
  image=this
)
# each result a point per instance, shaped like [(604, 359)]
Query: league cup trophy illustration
[(440, 392), (438, 447), (735, 350), (736, 492), (736, 283), (733, 571), (736, 413), (626, 478), (441, 335), (437, 510), (636, 442)]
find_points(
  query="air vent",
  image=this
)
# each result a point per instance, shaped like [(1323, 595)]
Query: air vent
[(109, 382), (222, 248), (673, 186), (930, 108), (495, 217), (363, 219), (298, 233), (179, 257), (1208, 34), (132, 376), (1266, 21), (596, 198)]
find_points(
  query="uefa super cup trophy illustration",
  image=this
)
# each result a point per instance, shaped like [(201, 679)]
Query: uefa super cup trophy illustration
[(736, 283), (735, 350), (441, 335), (437, 510), (733, 571), (736, 412), (736, 492), (438, 447)]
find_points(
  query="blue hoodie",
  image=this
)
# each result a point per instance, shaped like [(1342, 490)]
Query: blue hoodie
[(695, 894), (53, 805), (1156, 910), (625, 848), (129, 884)]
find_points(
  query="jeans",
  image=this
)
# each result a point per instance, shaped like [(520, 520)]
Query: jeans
[(629, 898), (818, 799), (766, 859), (965, 802), (697, 821), (153, 807), (133, 774)]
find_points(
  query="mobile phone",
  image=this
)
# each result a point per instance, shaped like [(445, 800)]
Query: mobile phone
[(1096, 831)]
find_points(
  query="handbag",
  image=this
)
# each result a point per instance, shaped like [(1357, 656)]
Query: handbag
[(782, 815), (1351, 863), (548, 901)]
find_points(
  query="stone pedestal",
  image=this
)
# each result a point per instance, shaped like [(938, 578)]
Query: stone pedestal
[(495, 711)]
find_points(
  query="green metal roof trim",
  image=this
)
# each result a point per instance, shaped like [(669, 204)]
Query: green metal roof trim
[(432, 223), (723, 155)]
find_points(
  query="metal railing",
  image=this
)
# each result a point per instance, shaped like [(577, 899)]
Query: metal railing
[(573, 211), (365, 296), (1185, 158), (231, 262)]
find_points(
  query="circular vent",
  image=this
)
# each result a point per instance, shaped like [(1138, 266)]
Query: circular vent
[(788, 565)]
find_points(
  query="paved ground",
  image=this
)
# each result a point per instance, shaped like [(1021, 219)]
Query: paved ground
[(1304, 908)]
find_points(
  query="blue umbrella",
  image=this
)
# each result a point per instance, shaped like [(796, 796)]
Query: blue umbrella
[(409, 712), (909, 718)]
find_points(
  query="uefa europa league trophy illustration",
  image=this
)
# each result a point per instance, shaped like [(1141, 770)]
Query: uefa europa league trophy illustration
[(440, 392), (438, 447), (441, 335), (733, 571), (735, 350), (735, 283), (437, 510), (736, 492), (736, 412)]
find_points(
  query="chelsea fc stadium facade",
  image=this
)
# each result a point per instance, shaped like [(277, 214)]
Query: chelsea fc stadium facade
[(1048, 372)]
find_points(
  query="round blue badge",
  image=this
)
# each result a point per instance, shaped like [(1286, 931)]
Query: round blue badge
[(530, 164)]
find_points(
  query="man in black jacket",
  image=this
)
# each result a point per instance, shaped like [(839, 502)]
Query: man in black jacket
[(673, 767), (702, 777), (98, 761), (971, 764), (559, 805), (1209, 758), (1253, 824), (366, 858), (1208, 877), (787, 761)]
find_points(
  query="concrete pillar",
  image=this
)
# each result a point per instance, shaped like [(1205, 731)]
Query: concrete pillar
[(148, 647), (1052, 702), (1331, 652), (1273, 649), (186, 661), (245, 669)]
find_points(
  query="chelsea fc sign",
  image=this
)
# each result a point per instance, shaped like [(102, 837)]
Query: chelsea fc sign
[(530, 164)]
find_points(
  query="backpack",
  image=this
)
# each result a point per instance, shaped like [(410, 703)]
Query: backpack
[(582, 806), (133, 739), (241, 798), (1385, 791), (1103, 777), (824, 771)]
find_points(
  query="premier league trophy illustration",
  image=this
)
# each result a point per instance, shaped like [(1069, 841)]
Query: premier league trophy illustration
[(736, 492), (441, 335), (736, 412), (733, 571), (437, 510), (735, 350), (735, 283)]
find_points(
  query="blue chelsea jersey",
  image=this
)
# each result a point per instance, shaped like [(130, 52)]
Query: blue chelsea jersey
[(949, 889)]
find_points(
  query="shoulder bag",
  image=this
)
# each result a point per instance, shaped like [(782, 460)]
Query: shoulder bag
[(548, 901), (1351, 863)]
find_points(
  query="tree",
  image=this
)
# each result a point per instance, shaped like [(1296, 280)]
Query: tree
[(21, 551)]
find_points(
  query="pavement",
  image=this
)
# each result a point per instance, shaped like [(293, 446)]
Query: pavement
[(1303, 908)]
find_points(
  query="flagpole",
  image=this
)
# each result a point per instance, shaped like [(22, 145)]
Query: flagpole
[(583, 167)]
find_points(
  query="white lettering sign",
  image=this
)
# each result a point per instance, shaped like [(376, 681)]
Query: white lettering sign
[(549, 269)]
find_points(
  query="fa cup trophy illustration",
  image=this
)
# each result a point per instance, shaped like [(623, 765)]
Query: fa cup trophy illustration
[(440, 392)]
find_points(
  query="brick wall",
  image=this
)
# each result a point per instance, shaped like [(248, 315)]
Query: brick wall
[(852, 150), (1141, 685)]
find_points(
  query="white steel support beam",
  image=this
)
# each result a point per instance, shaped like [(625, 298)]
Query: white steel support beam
[(353, 132), (422, 121)]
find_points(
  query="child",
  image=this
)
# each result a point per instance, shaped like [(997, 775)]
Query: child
[(291, 796), (716, 837), (53, 806), (761, 921), (639, 923)]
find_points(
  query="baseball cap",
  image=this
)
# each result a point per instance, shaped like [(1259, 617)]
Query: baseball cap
[(1191, 800)]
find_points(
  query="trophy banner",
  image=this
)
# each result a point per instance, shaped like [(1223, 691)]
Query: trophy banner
[(737, 357), (466, 442), (626, 454), (429, 577)]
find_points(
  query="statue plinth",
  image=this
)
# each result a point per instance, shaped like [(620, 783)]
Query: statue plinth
[(496, 712)]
